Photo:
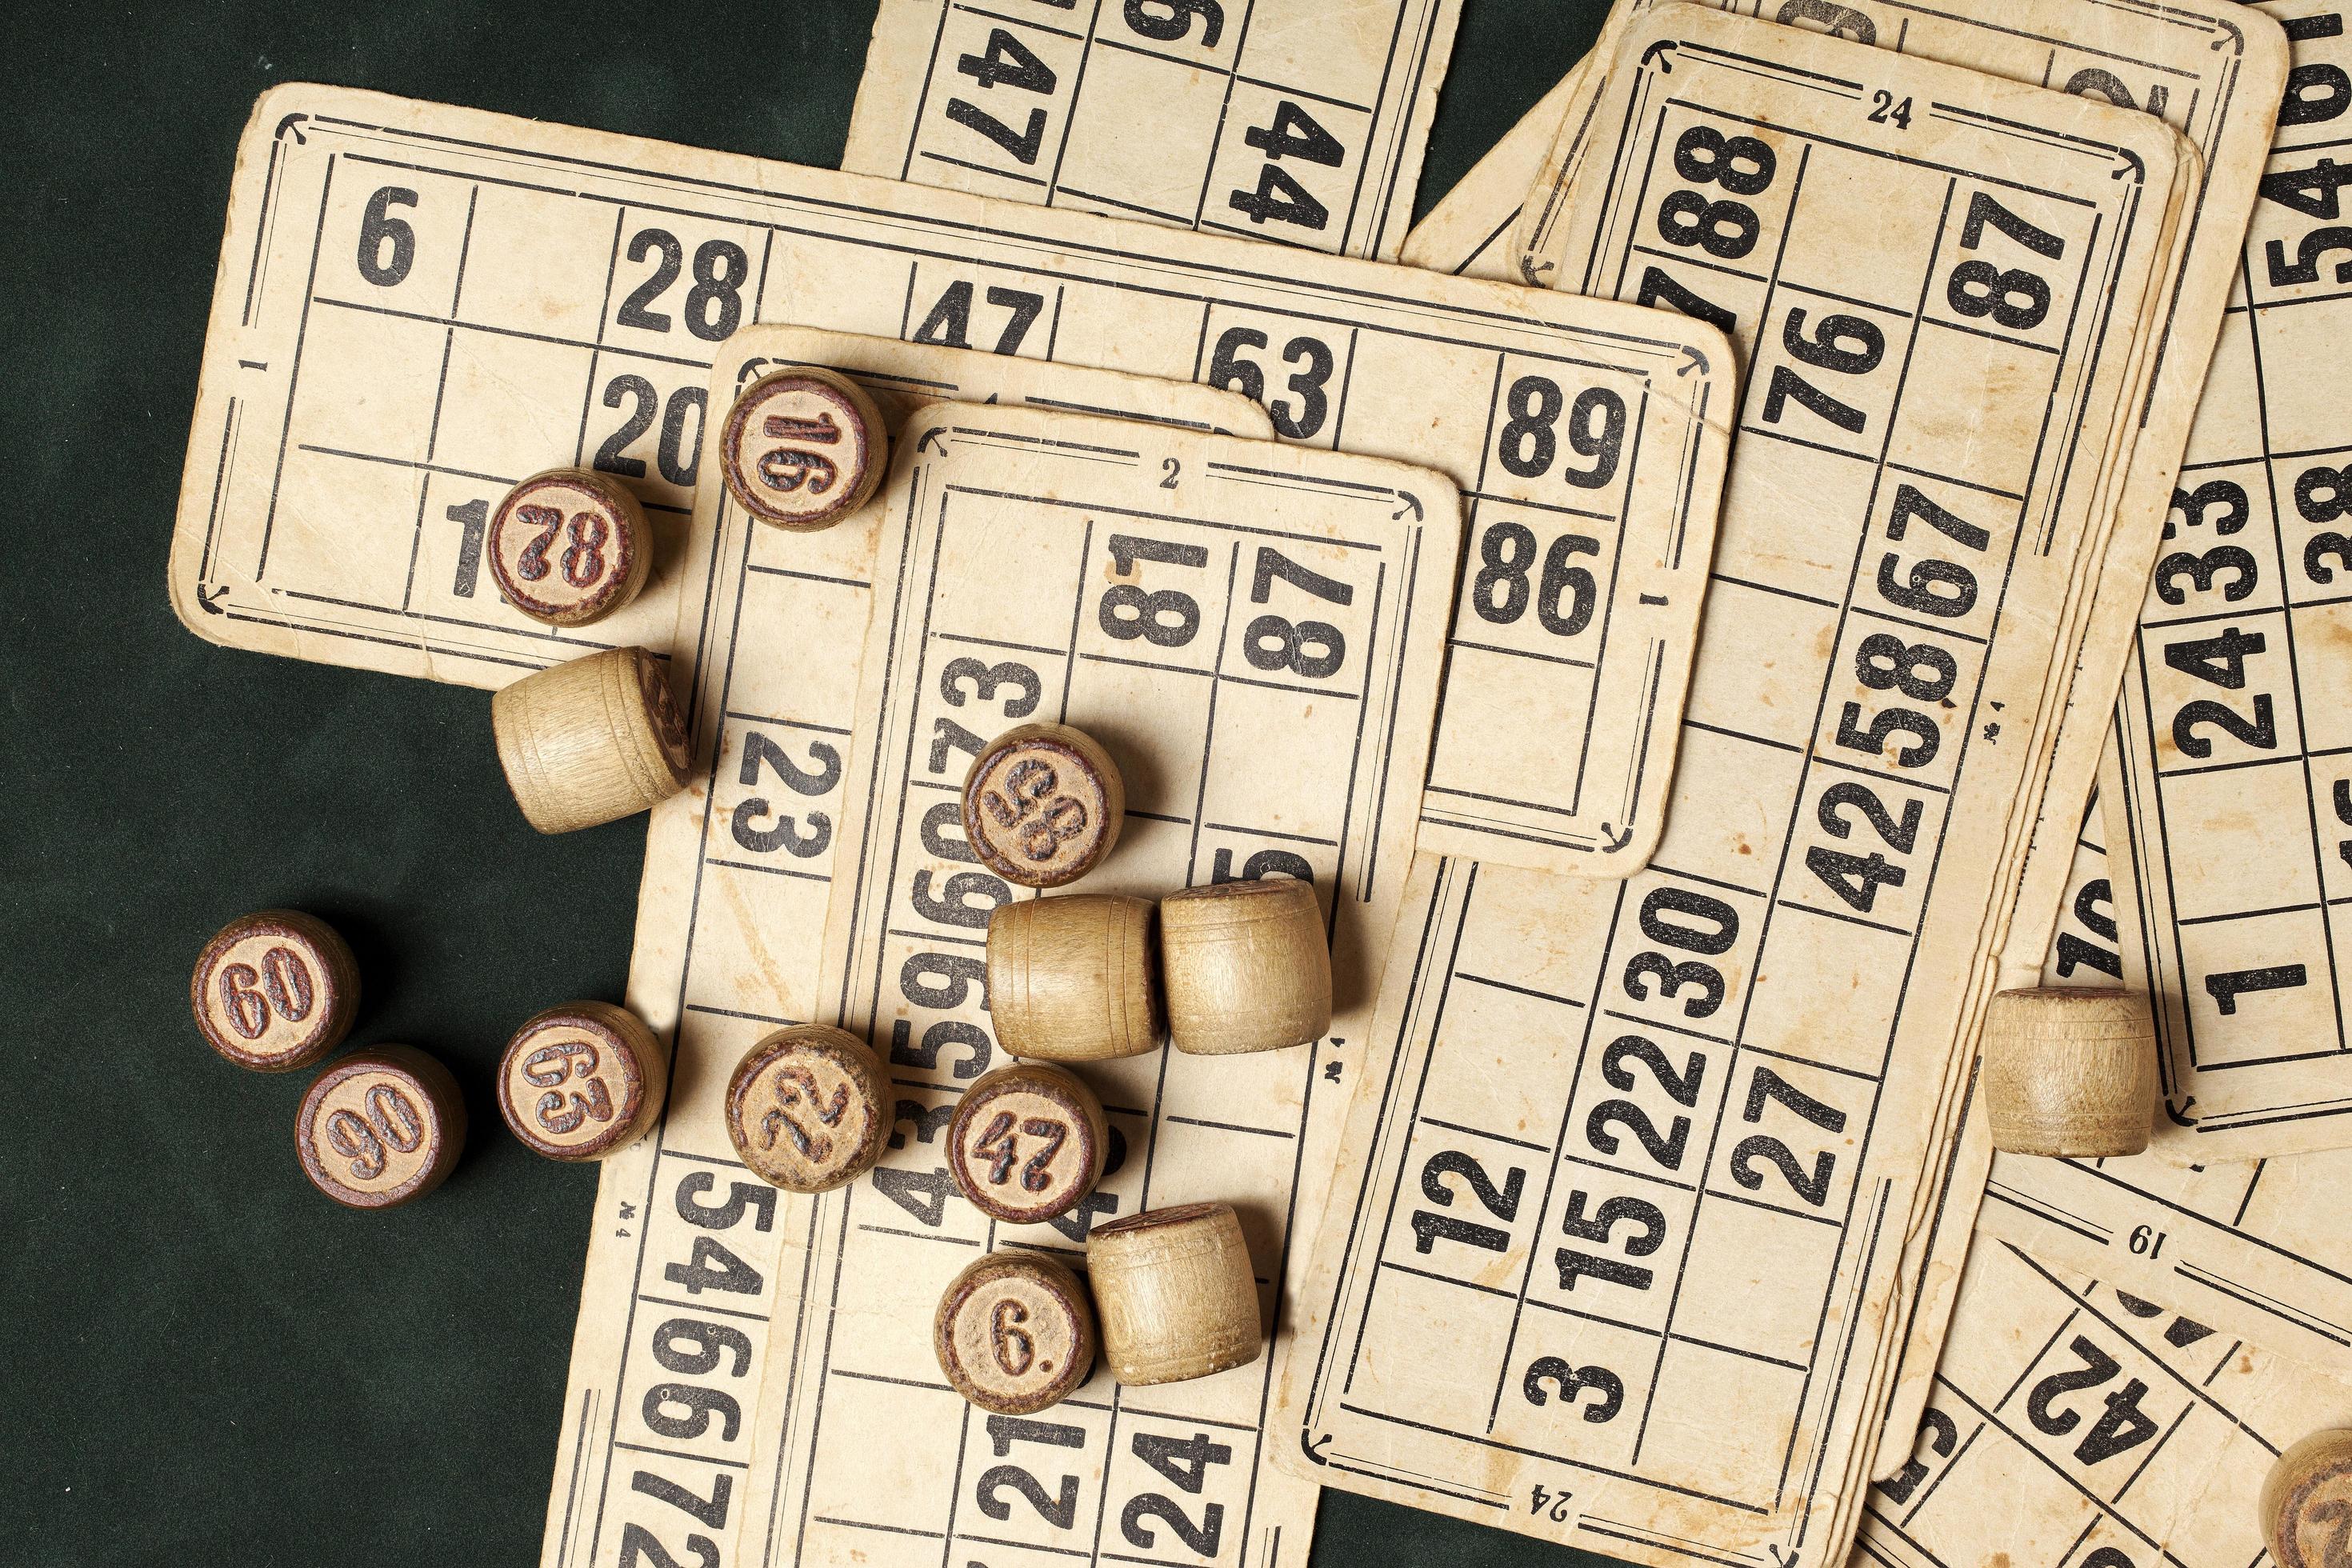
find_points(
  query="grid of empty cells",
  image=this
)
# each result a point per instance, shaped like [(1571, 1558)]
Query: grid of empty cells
[(1041, 105), (421, 321), (1185, 620), (1544, 531), (2244, 666), (1700, 1131), (417, 390), (2094, 1427)]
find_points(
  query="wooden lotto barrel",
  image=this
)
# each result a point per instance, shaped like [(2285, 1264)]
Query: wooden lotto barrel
[(569, 546), (593, 740), (583, 1081), (1245, 966), (1075, 979), (2306, 1502), (1175, 1296), (1015, 1334), (809, 1107), (1043, 805), (803, 447), (380, 1127), (275, 989), (2070, 1071)]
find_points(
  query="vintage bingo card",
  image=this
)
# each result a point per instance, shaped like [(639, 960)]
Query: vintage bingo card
[(2074, 1425), (362, 400), (2211, 69), (1253, 634), (690, 1252), (2235, 729), (1292, 121), (2257, 1248), (1469, 232), (1730, 1080), (2122, 479), (2190, 64)]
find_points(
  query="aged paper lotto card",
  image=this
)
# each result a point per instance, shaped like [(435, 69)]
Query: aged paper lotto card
[(1469, 232), (2079, 1426), (1273, 725), (691, 1252), (419, 304), (2257, 1248), (2210, 68), (2199, 66), (2234, 818), (1292, 121), (1636, 1152)]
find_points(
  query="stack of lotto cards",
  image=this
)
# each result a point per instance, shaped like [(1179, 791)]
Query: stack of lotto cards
[(1652, 1216)]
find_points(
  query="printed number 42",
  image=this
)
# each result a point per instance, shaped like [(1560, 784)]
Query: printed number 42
[(1555, 1506)]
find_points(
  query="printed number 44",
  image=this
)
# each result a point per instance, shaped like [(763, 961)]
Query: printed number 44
[(1555, 1506), (1279, 197)]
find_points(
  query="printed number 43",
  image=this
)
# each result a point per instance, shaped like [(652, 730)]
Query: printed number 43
[(1555, 1506)]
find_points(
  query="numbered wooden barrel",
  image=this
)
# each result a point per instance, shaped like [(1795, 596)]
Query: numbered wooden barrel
[(380, 1127), (275, 989), (1246, 966), (1076, 978), (1043, 805), (593, 740), (569, 546), (1027, 1142), (583, 1081), (803, 447), (2069, 1072), (1015, 1334), (1174, 1293), (808, 1108), (2306, 1502)]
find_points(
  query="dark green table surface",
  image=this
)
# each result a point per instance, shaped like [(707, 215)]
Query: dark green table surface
[(201, 1360)]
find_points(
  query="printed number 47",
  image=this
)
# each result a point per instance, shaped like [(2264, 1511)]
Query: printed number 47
[(1555, 1506)]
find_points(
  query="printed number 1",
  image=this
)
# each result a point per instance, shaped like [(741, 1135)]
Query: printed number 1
[(473, 516)]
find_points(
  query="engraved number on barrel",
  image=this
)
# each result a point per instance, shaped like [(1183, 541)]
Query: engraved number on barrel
[(1026, 782), (798, 1084), (582, 561), (1013, 1348), (283, 982), (549, 1066), (786, 468), (998, 1146), (390, 1121)]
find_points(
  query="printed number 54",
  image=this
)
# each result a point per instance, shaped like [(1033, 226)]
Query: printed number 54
[(1555, 1506)]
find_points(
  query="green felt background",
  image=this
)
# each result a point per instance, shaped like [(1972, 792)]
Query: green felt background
[(201, 1360)]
